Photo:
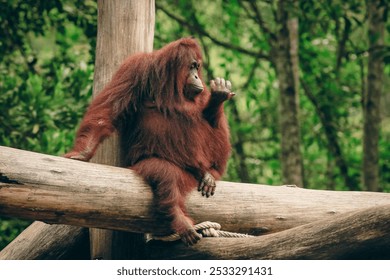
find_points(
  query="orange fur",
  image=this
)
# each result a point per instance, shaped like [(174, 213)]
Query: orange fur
[(169, 139)]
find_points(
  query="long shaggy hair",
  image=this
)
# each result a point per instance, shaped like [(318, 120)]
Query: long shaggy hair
[(158, 77)]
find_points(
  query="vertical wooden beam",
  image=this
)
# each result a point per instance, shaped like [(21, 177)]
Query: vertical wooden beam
[(124, 27)]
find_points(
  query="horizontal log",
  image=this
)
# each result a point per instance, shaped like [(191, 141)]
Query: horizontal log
[(41, 241), (58, 190), (363, 234)]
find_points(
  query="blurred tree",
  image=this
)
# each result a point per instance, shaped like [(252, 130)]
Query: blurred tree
[(332, 53), (377, 13), (322, 101), (285, 59)]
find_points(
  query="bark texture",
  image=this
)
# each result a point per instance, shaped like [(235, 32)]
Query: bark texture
[(41, 241), (59, 190), (300, 223), (372, 117), (286, 64), (363, 235), (124, 27)]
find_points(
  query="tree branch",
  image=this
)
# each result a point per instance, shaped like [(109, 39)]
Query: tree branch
[(213, 39), (331, 136)]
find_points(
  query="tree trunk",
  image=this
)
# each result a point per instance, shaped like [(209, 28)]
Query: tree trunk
[(59, 190), (124, 27), (363, 235), (372, 118), (286, 64)]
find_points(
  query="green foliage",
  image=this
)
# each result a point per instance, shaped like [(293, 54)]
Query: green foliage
[(9, 229), (333, 42), (42, 108), (46, 73)]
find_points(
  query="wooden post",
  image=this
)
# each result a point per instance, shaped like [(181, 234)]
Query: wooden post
[(124, 27)]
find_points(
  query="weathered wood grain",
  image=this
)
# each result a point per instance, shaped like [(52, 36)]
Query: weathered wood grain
[(125, 27), (41, 241), (362, 234), (58, 190)]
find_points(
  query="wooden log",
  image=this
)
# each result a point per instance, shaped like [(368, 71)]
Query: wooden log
[(41, 241), (362, 234), (58, 190)]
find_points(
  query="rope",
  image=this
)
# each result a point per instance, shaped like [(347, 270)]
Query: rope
[(207, 229)]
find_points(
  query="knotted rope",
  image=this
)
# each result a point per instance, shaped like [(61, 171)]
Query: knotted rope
[(207, 229)]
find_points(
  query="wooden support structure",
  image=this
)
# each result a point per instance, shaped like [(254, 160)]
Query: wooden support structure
[(125, 27), (41, 241), (58, 190), (362, 234)]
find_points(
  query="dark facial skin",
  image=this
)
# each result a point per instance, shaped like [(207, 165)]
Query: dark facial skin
[(194, 84)]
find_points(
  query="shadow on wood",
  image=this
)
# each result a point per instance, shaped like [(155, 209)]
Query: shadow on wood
[(58, 190), (41, 241), (363, 234)]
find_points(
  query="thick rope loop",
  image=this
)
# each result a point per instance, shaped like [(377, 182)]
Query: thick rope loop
[(207, 229)]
